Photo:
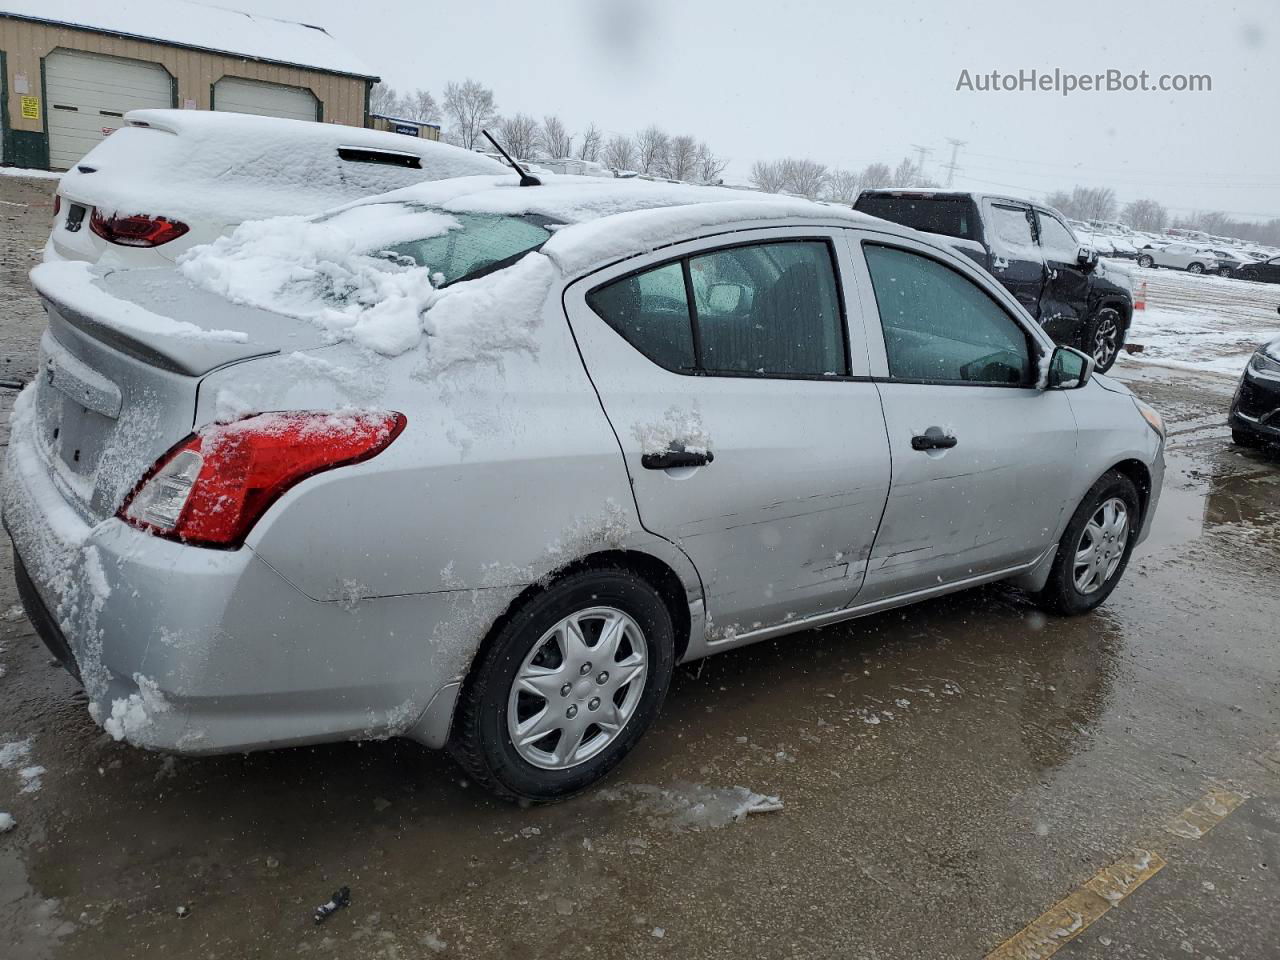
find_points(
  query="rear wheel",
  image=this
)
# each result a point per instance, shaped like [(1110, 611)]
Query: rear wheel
[(1095, 547), (1146, 261), (1195, 268), (567, 687), (1104, 337)]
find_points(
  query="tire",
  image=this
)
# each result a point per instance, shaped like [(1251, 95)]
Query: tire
[(493, 704), (1062, 593), (1195, 268), (1242, 439), (1146, 261), (1104, 338)]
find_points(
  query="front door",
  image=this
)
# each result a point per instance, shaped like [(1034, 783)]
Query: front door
[(725, 371), (1064, 304), (1015, 255), (981, 457)]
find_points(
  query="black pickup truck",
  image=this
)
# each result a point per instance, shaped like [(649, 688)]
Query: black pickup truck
[(1030, 249)]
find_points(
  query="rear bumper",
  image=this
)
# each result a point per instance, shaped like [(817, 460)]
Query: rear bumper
[(206, 651)]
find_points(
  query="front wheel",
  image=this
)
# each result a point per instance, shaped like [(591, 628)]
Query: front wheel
[(1104, 337), (1095, 547), (566, 687), (1146, 261)]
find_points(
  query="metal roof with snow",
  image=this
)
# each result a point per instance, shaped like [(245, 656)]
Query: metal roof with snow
[(199, 27)]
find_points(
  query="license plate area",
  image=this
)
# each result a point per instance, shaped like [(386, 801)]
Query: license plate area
[(75, 218)]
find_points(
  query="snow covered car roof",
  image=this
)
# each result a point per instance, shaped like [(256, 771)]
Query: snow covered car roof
[(201, 27), (224, 168)]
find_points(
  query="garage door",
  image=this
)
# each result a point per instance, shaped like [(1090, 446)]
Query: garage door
[(264, 99), (87, 96)]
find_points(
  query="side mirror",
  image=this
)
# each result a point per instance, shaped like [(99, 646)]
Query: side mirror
[(1087, 257), (726, 297), (1069, 369)]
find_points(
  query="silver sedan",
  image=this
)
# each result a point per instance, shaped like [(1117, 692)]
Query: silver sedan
[(479, 464)]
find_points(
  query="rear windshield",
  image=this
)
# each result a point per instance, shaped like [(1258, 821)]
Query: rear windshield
[(949, 216), (482, 243)]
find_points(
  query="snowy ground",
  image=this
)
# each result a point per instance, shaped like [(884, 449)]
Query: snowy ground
[(1204, 324)]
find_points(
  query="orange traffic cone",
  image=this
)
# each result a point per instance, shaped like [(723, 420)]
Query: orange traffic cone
[(1140, 301)]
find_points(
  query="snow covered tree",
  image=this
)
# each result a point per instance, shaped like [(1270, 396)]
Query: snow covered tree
[(384, 100), (804, 177), (843, 186), (620, 153), (469, 107), (769, 175), (876, 175), (519, 135), (592, 139), (421, 106), (652, 144), (556, 141), (682, 157), (710, 167), (1145, 215)]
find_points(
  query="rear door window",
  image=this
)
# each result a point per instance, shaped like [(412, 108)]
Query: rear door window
[(765, 309), (940, 326)]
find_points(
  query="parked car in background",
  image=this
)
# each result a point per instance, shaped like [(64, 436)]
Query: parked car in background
[(1029, 248), (339, 507), (1267, 271), (1180, 256), (1255, 409), (171, 179), (1230, 260), (1098, 241)]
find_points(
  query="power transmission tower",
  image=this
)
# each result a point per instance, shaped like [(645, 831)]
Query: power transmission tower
[(953, 166), (922, 153)]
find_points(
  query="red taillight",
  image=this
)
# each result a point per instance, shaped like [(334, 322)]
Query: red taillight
[(211, 488), (137, 230), (57, 204)]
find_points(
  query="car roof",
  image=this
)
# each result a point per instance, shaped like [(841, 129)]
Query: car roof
[(604, 219)]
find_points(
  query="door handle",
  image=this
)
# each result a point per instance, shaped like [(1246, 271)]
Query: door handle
[(676, 458), (933, 442)]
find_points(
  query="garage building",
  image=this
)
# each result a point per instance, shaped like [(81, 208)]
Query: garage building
[(71, 70)]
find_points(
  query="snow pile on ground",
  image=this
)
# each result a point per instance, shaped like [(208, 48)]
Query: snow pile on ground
[(14, 753), (71, 284), (692, 806), (133, 714), (7, 822), (1201, 323)]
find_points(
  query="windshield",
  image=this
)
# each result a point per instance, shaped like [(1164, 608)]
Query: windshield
[(480, 243)]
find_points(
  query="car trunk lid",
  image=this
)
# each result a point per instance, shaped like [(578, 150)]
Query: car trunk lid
[(120, 371)]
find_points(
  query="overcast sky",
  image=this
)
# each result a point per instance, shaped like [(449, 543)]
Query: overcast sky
[(849, 83)]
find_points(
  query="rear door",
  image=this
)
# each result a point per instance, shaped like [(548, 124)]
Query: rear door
[(981, 458), (1015, 256), (1064, 302), (726, 371)]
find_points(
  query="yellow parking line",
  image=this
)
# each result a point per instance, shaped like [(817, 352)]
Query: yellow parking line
[(1070, 917)]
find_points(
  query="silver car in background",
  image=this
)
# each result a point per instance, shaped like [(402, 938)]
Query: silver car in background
[(478, 464), (1179, 256)]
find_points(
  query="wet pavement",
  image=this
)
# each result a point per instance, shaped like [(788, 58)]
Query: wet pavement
[(948, 773)]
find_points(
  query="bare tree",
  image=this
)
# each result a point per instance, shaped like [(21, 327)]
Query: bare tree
[(652, 144), (843, 186), (620, 153), (682, 157), (384, 101), (769, 175), (1145, 215), (556, 140), (907, 174), (519, 134), (421, 106), (469, 107), (710, 167), (804, 177), (1093, 203), (592, 139), (1060, 200), (876, 175)]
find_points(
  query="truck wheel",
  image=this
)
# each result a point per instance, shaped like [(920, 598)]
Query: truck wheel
[(1104, 336)]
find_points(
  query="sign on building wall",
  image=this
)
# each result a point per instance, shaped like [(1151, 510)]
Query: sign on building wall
[(31, 108), (20, 84)]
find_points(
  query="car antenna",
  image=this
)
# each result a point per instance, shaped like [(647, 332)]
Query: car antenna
[(526, 179)]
